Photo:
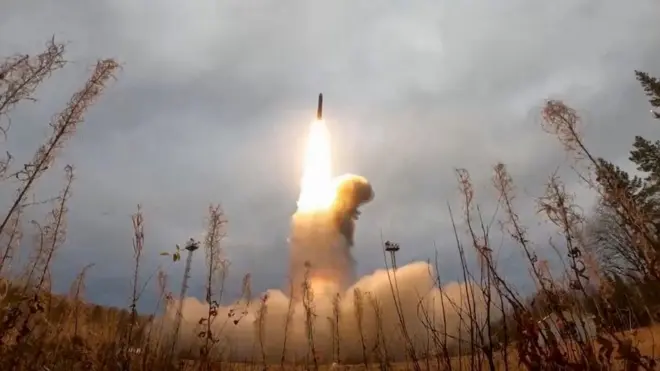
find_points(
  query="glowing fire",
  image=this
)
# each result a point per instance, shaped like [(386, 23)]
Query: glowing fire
[(323, 286), (316, 191)]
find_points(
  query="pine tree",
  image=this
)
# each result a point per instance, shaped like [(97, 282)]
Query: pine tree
[(651, 87), (646, 155), (635, 200)]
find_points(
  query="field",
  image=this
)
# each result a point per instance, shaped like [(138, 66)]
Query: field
[(611, 276), (643, 339)]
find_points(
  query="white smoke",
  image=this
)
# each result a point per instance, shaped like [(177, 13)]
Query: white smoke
[(321, 241), (381, 315)]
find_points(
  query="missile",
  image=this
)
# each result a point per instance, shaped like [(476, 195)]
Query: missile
[(319, 108)]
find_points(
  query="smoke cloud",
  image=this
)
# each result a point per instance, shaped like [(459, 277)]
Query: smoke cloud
[(321, 241), (326, 308)]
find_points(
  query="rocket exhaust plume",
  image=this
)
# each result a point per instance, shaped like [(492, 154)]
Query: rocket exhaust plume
[(322, 228), (345, 313)]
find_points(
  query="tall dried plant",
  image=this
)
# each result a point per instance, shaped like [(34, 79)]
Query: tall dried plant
[(55, 229), (358, 312), (287, 326), (23, 323), (63, 127), (310, 315), (391, 249), (216, 272), (76, 293), (260, 326), (138, 248), (11, 238)]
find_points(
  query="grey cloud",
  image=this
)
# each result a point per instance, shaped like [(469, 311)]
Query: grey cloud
[(214, 98)]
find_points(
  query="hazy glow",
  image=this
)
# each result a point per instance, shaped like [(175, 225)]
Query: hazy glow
[(323, 286), (316, 192)]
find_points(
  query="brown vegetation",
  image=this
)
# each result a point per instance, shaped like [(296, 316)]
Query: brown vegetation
[(612, 270)]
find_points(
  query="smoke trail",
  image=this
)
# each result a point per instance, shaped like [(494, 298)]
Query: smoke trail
[(350, 320), (321, 240)]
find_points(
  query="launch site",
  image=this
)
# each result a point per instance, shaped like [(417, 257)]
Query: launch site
[(348, 185)]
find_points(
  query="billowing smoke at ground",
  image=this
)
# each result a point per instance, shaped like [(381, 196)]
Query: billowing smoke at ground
[(330, 312), (321, 241)]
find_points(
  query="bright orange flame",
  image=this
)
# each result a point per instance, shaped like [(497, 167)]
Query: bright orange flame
[(323, 286), (316, 191)]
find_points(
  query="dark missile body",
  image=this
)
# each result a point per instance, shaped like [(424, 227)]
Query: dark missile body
[(319, 109)]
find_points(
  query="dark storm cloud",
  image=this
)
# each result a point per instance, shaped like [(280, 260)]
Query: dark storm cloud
[(214, 98)]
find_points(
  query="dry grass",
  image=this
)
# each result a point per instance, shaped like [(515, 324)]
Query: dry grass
[(642, 338), (41, 331)]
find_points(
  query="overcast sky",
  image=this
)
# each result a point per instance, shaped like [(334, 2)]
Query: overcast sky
[(215, 96)]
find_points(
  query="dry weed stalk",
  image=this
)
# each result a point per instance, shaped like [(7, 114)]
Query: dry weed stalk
[(191, 247), (310, 315), (76, 293), (260, 324), (287, 325), (55, 229), (504, 185), (380, 342), (358, 311), (216, 270), (13, 237), (481, 331), (153, 345), (138, 247), (48, 239), (63, 127), (563, 122), (20, 76), (391, 248), (440, 340), (336, 316)]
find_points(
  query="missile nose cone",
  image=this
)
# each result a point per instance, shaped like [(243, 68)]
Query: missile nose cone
[(319, 109)]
